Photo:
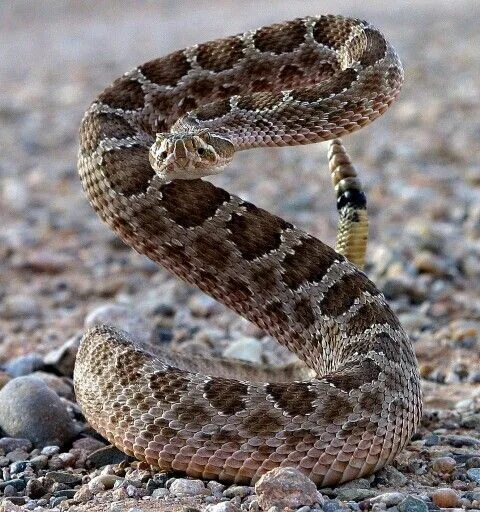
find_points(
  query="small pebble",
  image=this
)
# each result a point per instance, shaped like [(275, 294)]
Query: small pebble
[(238, 490), (474, 475), (101, 483), (445, 498), (187, 487), (160, 493), (444, 465), (225, 506)]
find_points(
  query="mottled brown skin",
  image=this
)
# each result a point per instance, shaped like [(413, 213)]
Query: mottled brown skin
[(297, 82)]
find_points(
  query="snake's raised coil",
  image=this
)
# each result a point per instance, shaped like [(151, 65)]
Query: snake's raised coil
[(183, 116)]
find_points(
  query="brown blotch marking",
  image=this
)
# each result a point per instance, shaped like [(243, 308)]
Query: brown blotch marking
[(98, 126), (385, 343), (332, 33), (294, 398), (177, 255), (302, 435), (221, 54), (266, 278), (168, 386), (260, 84), (340, 297), (304, 310), (255, 232), (335, 85), (228, 90), (258, 68), (370, 401), (124, 93), (275, 314), (213, 110), (353, 374), (335, 408), (262, 423), (202, 86), (224, 436), (370, 314), (375, 49), (281, 37), (166, 70), (190, 203), (211, 253), (190, 412), (225, 395), (308, 263), (187, 104), (259, 100), (290, 72), (128, 364), (128, 170), (237, 293)]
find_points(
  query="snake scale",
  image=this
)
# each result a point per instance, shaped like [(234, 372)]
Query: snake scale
[(146, 142)]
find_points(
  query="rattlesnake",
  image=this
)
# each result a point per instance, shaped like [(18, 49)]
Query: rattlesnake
[(184, 116)]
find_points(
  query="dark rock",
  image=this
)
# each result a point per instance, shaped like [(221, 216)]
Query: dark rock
[(107, 455), (64, 477), (30, 409), (8, 444)]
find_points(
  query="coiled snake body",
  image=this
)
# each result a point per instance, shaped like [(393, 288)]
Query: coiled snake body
[(145, 142)]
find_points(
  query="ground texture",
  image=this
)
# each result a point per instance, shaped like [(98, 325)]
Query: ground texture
[(61, 269)]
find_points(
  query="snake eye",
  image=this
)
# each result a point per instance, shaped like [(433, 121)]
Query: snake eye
[(201, 151), (164, 154)]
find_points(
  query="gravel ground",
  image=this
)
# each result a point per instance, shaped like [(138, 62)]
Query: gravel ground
[(61, 269)]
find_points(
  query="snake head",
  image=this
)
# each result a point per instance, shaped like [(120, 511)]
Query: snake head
[(189, 155)]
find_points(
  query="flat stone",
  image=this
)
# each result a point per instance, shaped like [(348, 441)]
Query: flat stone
[(64, 477), (107, 455), (459, 441)]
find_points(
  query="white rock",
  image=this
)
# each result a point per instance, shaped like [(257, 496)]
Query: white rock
[(389, 499), (102, 482), (186, 487), (224, 506), (160, 493), (246, 349)]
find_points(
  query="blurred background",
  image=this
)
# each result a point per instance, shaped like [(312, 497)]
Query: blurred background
[(419, 164)]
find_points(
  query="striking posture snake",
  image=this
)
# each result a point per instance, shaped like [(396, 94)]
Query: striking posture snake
[(145, 141)]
